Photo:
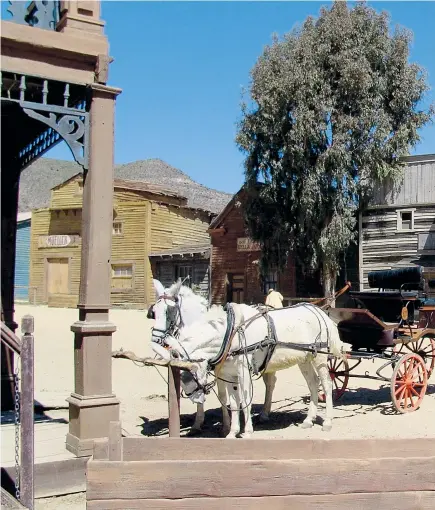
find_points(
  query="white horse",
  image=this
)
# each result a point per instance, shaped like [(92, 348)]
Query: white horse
[(305, 325), (177, 308)]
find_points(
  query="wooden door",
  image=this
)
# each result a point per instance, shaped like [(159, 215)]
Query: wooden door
[(236, 289), (57, 276)]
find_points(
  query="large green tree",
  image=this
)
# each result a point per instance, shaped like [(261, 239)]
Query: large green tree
[(334, 106)]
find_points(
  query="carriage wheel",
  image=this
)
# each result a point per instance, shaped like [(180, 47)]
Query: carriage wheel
[(424, 347), (408, 383), (339, 372)]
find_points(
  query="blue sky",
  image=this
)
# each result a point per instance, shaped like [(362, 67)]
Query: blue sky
[(182, 65)]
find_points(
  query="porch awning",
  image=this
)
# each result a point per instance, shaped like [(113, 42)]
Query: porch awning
[(202, 251)]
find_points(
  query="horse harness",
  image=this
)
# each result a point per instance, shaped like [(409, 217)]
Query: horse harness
[(263, 350)]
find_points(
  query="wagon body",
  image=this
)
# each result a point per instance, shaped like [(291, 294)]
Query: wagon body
[(396, 323)]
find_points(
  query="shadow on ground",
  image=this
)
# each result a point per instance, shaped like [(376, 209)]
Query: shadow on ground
[(356, 401)]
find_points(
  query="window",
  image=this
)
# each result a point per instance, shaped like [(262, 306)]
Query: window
[(184, 272), (270, 281), (405, 219), (117, 228), (122, 276)]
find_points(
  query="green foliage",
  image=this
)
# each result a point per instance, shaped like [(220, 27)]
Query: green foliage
[(334, 107)]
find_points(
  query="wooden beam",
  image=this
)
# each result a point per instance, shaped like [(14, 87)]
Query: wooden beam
[(422, 500), (149, 362), (241, 478), (140, 448)]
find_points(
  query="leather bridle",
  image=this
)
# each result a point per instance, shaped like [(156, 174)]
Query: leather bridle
[(175, 322)]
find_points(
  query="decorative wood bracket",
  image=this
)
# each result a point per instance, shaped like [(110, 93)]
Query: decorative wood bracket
[(72, 125)]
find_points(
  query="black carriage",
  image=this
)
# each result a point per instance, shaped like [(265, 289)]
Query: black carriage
[(395, 323)]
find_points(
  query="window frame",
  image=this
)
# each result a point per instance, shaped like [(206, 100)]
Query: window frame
[(399, 226), (114, 277), (118, 222), (267, 283), (177, 273)]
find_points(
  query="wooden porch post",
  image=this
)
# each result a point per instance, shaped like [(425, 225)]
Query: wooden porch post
[(93, 406), (9, 194)]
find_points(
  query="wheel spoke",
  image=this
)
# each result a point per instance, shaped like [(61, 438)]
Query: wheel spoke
[(399, 388), (415, 392)]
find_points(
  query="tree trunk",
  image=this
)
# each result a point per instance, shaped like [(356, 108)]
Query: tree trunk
[(329, 279)]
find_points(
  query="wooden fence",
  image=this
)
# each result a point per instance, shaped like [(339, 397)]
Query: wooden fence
[(139, 473)]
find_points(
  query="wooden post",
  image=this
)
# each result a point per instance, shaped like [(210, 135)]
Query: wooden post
[(27, 413), (174, 401)]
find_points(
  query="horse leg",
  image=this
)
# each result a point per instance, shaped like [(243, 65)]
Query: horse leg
[(222, 396), (234, 398), (312, 379), (199, 419), (246, 394), (270, 381), (325, 379)]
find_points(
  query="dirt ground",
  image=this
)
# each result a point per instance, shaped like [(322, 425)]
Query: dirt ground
[(364, 411)]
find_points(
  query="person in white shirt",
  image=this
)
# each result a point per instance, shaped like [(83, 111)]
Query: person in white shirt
[(274, 298)]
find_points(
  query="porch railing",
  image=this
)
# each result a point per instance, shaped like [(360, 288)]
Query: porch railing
[(42, 14), (24, 409)]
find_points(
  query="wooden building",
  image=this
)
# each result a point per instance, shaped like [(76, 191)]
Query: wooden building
[(190, 263), (398, 229), (147, 219), (235, 274)]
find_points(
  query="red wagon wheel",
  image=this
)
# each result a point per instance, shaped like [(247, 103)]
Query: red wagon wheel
[(339, 372), (408, 383), (424, 347)]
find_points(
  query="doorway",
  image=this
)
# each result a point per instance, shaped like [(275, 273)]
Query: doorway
[(236, 288), (57, 276)]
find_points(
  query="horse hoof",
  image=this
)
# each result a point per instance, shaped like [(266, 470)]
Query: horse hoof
[(307, 425), (194, 432), (231, 436), (327, 428), (246, 435)]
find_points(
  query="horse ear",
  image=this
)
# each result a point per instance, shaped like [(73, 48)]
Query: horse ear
[(160, 290), (175, 288)]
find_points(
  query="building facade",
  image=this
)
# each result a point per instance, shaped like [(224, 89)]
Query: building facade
[(235, 272), (398, 228), (22, 259), (147, 219), (190, 263)]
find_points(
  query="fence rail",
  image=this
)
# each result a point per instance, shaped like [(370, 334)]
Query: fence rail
[(24, 417)]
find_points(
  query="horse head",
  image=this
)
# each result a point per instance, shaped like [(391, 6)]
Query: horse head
[(175, 307)]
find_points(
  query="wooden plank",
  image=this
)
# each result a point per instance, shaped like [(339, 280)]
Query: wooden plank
[(140, 448), (115, 441), (101, 449), (240, 478), (379, 500)]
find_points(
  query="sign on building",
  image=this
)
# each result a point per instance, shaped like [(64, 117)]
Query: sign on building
[(58, 241), (247, 244)]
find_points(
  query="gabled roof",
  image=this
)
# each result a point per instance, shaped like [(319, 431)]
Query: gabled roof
[(217, 222), (148, 187)]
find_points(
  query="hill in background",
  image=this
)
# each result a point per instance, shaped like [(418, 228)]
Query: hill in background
[(42, 175)]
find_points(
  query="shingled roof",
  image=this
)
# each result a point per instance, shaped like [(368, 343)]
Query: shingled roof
[(39, 178)]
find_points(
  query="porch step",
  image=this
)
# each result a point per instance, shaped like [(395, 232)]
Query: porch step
[(54, 478), (10, 503)]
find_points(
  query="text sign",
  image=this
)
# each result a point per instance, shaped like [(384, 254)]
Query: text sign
[(58, 241), (247, 244)]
